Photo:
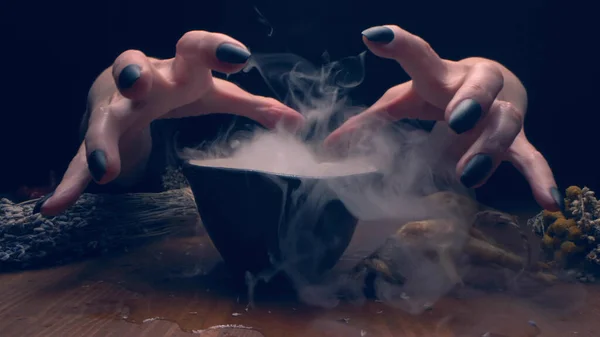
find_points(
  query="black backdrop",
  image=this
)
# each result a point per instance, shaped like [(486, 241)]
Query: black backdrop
[(52, 51)]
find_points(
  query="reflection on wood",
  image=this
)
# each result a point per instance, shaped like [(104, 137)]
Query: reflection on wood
[(166, 290)]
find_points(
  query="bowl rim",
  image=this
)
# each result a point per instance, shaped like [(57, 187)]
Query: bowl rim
[(187, 164)]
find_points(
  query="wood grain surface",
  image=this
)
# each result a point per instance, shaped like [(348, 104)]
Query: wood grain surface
[(177, 288)]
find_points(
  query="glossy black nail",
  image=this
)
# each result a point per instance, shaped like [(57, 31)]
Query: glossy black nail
[(38, 205), (129, 75), (465, 116), (232, 54), (558, 198), (97, 164), (379, 34), (476, 170)]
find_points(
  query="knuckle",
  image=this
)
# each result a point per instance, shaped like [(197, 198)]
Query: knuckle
[(479, 91), (506, 129), (492, 73), (511, 113), (415, 43), (476, 88), (424, 44), (194, 35), (190, 39), (488, 67), (498, 142)]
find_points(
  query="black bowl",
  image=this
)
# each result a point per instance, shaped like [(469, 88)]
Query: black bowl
[(261, 221)]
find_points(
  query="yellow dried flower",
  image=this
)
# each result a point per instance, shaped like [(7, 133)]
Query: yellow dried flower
[(573, 192), (568, 248)]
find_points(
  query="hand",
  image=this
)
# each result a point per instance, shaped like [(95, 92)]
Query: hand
[(122, 106), (482, 101)]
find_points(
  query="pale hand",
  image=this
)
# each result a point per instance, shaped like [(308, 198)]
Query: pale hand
[(122, 106), (482, 101)]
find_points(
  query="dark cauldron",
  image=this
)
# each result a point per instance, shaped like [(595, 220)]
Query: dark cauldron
[(259, 220)]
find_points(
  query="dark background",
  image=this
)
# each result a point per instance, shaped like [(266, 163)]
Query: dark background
[(52, 51)]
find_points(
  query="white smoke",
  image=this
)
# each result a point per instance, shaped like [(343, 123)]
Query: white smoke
[(410, 164)]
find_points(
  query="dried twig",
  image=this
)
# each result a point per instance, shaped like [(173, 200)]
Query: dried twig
[(95, 224)]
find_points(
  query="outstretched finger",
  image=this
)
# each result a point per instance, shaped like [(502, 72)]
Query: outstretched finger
[(74, 182), (427, 70), (137, 81), (170, 84), (397, 103), (534, 167)]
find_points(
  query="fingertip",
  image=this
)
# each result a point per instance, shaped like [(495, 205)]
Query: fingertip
[(279, 115), (57, 203), (558, 198), (128, 76), (133, 74), (343, 141), (231, 58), (536, 170), (100, 167), (230, 53), (293, 122), (38, 208), (477, 170), (335, 146), (332, 143), (340, 135), (550, 199), (134, 82), (330, 140), (413, 53), (51, 209), (465, 116), (356, 129), (97, 164), (380, 41), (73, 183), (378, 35)]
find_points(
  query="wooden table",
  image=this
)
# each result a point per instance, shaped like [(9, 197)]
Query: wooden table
[(165, 289)]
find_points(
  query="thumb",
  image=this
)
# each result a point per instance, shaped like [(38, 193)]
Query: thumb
[(74, 182)]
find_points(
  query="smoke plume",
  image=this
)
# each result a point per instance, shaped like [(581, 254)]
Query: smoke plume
[(410, 163)]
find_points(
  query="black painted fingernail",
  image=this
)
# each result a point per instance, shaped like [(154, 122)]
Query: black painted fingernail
[(558, 198), (38, 205), (476, 170), (97, 164), (232, 54), (464, 117), (129, 75), (379, 34)]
